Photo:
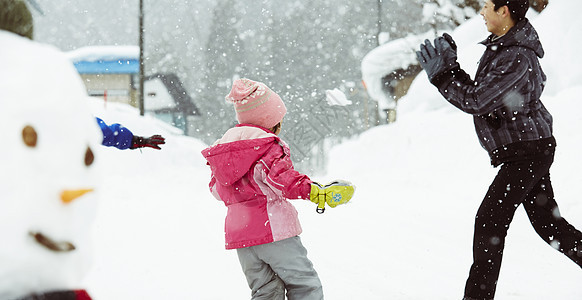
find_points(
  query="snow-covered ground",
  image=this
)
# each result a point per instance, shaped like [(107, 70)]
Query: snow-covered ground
[(407, 232)]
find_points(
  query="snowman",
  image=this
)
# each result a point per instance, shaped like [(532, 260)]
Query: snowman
[(48, 173)]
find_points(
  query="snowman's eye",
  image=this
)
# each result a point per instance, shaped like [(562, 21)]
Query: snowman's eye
[(89, 157), (29, 136)]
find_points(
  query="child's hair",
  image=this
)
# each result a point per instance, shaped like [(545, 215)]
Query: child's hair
[(517, 8), (256, 104), (276, 127)]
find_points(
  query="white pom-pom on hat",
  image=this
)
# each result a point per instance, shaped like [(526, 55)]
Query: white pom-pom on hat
[(241, 89), (256, 104)]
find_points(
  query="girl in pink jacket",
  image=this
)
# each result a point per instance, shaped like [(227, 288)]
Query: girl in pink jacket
[(253, 175)]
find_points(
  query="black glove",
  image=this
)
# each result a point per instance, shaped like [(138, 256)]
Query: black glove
[(451, 42), (446, 47), (436, 62), (152, 142)]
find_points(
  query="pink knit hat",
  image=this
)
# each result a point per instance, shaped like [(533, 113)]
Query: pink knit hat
[(256, 104)]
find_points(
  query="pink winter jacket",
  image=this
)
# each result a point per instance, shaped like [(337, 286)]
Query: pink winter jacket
[(253, 175)]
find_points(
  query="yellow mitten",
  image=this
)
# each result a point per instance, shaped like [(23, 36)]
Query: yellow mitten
[(334, 193)]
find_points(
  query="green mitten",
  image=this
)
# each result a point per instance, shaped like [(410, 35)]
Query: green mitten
[(334, 193)]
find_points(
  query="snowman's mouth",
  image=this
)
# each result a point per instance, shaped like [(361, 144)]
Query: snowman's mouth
[(51, 244)]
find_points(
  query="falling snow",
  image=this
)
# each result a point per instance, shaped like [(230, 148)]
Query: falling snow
[(159, 232)]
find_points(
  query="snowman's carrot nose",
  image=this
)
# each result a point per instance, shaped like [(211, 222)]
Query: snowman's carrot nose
[(67, 196)]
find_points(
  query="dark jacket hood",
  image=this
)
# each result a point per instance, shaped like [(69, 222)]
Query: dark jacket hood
[(523, 34)]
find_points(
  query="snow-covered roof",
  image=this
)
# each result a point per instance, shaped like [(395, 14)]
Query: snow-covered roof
[(104, 53), (165, 93), (384, 59), (106, 59)]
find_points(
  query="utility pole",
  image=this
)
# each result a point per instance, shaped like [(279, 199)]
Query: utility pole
[(141, 62), (379, 24)]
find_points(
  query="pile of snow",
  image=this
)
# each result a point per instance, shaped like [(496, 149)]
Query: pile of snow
[(158, 229)]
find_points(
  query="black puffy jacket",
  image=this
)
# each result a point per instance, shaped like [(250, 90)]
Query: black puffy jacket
[(504, 98)]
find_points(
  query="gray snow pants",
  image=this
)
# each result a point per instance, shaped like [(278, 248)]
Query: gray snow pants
[(272, 268)]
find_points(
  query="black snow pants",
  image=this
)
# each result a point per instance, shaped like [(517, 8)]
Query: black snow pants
[(524, 178)]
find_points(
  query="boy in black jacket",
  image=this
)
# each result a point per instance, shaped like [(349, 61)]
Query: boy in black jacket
[(514, 127)]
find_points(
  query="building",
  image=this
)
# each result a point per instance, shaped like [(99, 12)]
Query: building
[(166, 97), (110, 72), (389, 69)]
